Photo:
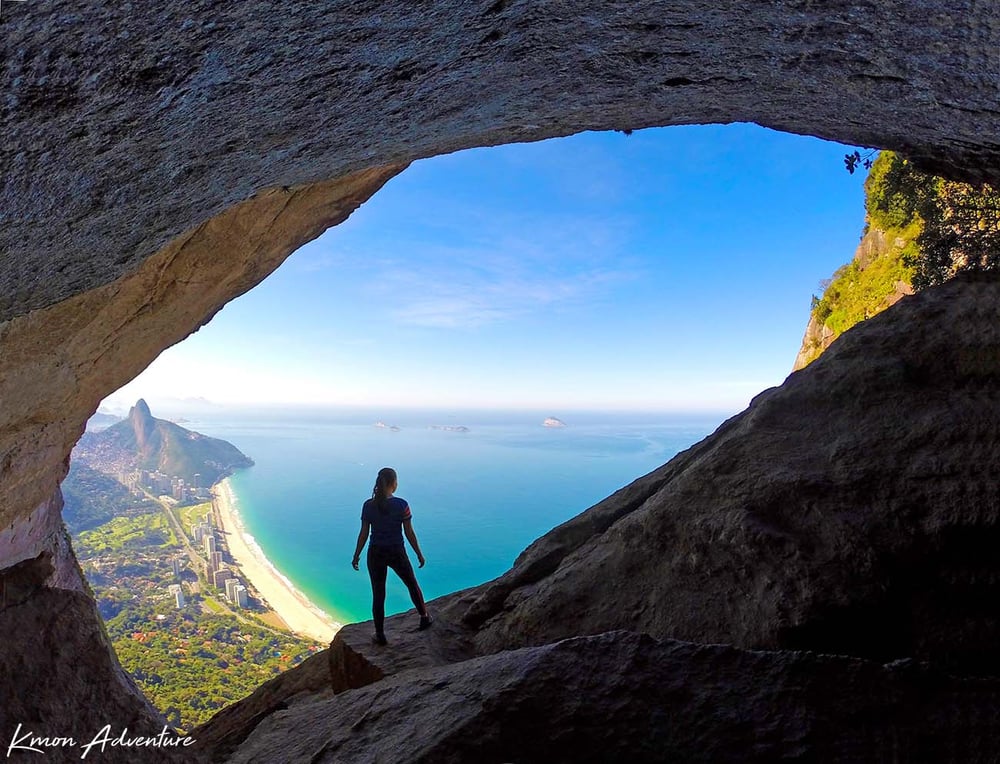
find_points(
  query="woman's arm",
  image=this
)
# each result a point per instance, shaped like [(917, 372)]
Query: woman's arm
[(411, 536), (362, 538)]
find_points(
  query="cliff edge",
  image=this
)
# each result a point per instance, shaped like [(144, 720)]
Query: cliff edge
[(850, 512)]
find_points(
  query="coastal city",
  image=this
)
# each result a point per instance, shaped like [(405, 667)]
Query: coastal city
[(186, 621), (205, 547)]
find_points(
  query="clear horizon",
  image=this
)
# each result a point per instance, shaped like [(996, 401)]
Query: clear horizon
[(667, 271), (408, 416)]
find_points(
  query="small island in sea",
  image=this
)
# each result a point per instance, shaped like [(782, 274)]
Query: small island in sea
[(383, 426), (450, 427), (551, 421)]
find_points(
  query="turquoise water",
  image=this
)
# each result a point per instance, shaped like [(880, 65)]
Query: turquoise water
[(478, 497)]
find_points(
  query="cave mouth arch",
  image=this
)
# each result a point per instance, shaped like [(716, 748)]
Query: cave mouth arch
[(126, 157), (829, 167), (183, 173)]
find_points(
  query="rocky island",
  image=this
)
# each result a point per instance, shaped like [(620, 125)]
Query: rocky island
[(551, 421), (816, 581)]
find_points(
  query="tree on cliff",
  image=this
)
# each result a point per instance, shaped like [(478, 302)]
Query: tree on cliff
[(921, 230), (959, 224)]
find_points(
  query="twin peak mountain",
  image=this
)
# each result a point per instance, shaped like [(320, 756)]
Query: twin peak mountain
[(143, 442)]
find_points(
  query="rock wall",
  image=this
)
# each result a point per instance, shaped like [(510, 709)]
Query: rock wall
[(132, 134), (818, 335), (158, 160), (622, 696), (59, 678), (851, 511)]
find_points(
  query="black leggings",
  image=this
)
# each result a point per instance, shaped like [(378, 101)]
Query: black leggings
[(380, 559)]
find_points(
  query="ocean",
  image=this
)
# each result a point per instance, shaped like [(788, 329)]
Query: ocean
[(482, 486)]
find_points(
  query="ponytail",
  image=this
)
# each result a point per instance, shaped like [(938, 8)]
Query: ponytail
[(386, 478)]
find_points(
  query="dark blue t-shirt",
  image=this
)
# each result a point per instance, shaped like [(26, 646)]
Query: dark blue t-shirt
[(387, 529)]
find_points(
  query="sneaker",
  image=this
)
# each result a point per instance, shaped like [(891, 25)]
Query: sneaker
[(425, 622), (379, 639)]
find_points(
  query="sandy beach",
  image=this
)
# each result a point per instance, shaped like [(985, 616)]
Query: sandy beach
[(293, 607)]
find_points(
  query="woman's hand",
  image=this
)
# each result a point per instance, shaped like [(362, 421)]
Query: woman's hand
[(354, 563), (421, 560)]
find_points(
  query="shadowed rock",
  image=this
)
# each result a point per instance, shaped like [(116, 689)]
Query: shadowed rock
[(160, 159), (852, 511), (60, 679), (621, 696)]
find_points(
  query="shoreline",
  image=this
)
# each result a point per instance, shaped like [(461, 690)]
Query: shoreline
[(292, 606)]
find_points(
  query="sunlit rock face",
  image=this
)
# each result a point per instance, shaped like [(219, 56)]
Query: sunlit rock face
[(159, 159)]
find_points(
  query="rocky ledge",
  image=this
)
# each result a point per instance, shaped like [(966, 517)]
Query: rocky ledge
[(850, 512)]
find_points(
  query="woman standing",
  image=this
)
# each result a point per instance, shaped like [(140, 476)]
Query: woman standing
[(388, 518)]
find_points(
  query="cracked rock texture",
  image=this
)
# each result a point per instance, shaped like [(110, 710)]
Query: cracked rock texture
[(159, 159)]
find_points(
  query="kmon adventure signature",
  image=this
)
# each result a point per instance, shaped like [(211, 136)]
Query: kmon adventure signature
[(105, 738)]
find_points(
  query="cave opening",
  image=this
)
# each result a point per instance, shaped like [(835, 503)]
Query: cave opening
[(161, 159), (476, 278)]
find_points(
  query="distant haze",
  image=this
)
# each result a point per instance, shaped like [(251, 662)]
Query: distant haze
[(668, 270)]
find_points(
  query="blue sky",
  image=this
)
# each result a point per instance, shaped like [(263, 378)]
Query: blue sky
[(667, 270)]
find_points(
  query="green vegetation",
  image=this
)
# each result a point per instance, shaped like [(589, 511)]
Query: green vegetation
[(192, 514), (92, 498), (857, 293), (932, 230), (191, 661), (191, 664), (144, 531)]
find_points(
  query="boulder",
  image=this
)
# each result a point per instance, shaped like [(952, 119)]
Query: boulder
[(59, 678), (852, 510), (622, 696)]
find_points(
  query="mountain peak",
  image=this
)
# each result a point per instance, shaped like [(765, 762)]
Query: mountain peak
[(146, 443), (143, 424)]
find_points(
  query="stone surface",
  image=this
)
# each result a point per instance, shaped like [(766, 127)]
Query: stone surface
[(622, 696), (158, 160), (42, 533), (131, 133), (59, 676), (852, 510), (818, 336)]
